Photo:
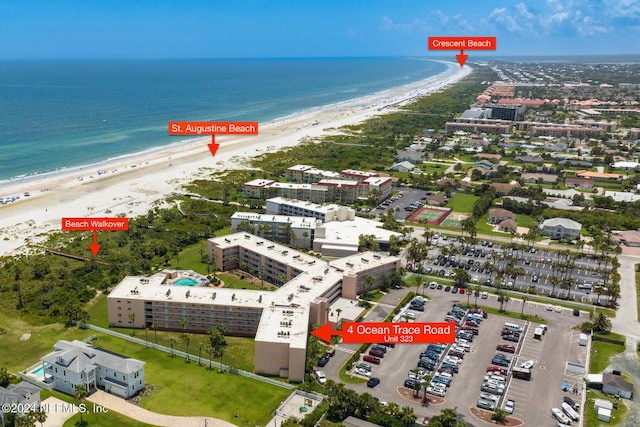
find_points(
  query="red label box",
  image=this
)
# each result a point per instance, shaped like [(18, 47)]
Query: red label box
[(103, 224), (213, 128), (462, 43)]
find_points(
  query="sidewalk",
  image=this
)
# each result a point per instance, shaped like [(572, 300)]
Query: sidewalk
[(121, 406)]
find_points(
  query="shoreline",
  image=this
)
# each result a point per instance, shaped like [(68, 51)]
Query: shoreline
[(132, 184)]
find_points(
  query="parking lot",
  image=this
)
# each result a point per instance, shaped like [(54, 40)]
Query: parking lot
[(401, 202), (556, 357), (537, 268)]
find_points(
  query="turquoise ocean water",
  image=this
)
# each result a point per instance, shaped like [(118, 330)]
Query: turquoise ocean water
[(63, 114)]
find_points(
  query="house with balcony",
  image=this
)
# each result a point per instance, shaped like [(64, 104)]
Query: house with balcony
[(77, 363)]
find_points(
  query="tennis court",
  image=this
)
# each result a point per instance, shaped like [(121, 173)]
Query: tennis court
[(430, 215), (453, 223)]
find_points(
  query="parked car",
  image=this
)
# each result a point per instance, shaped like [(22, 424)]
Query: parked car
[(364, 366), (426, 364), (363, 372), (323, 361), (509, 406), (511, 337), (498, 369), (377, 353), (489, 396), (500, 362), (410, 383), (507, 348), (371, 359), (373, 381), (436, 391), (485, 404)]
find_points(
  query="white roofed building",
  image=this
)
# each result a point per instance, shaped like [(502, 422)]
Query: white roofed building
[(561, 228), (278, 320)]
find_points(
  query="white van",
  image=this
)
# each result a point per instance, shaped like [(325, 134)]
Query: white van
[(513, 327)]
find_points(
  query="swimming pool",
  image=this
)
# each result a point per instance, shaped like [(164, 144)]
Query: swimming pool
[(185, 281), (38, 372)]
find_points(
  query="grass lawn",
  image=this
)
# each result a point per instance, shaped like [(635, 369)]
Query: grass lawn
[(16, 355), (190, 258), (512, 314), (234, 282), (238, 354), (191, 390), (462, 202), (591, 416), (98, 314), (601, 353)]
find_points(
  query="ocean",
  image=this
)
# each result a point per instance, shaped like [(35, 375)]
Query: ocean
[(63, 114)]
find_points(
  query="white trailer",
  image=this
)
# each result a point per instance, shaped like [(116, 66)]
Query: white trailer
[(583, 339)]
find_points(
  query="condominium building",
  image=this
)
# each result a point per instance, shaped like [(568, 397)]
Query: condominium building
[(279, 320), (479, 125), (296, 231), (309, 183), (300, 207)]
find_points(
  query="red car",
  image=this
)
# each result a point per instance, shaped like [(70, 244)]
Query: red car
[(507, 348), (371, 359), (462, 290), (494, 368)]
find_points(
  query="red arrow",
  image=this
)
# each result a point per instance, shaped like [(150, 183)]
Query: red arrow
[(462, 58), (325, 332), (213, 146), (95, 247)]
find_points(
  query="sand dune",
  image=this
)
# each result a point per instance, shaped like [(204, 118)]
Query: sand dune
[(132, 185)]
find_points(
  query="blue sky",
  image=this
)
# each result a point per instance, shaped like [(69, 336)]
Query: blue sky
[(36, 29)]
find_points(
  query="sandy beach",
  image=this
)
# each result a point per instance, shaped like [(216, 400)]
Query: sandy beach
[(133, 185)]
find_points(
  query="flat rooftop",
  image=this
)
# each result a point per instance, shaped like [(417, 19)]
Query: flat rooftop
[(295, 221), (317, 207), (349, 231), (285, 312)]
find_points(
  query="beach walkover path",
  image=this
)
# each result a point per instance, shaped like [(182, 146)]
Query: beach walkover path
[(140, 414)]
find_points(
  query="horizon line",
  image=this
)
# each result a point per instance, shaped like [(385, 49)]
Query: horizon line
[(430, 56)]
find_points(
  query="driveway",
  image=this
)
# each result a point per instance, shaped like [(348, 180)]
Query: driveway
[(111, 402)]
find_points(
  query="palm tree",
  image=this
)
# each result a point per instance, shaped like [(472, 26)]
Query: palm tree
[(554, 282), (566, 284), (155, 325), (407, 416), (40, 416), (172, 341), (217, 340), (601, 323), (368, 282), (476, 293), (448, 417), (524, 301), (187, 339), (499, 415), (132, 319), (80, 393), (338, 310)]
